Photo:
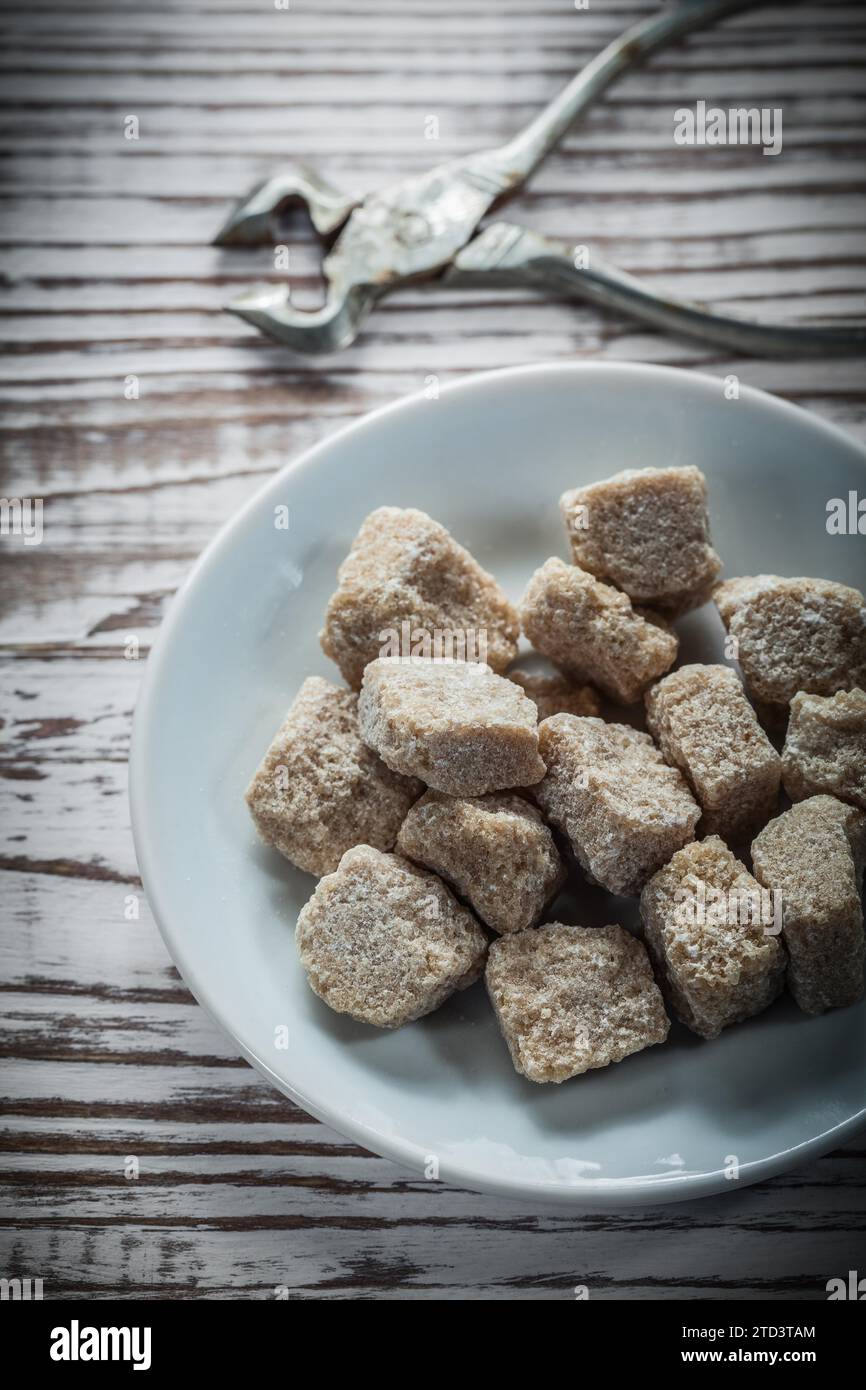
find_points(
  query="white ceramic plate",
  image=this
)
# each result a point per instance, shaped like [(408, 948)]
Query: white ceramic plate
[(489, 459)]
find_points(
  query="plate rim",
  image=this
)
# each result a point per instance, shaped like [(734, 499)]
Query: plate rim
[(585, 1193)]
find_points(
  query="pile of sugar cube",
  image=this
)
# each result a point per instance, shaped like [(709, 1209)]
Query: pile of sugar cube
[(442, 800)]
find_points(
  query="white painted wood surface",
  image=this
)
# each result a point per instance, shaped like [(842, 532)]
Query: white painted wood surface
[(108, 271)]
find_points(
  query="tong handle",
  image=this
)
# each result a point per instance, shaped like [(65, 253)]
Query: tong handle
[(508, 255), (522, 155)]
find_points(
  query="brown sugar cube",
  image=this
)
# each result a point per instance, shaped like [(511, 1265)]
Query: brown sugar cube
[(495, 850), (713, 937), (405, 583), (825, 747), (556, 695), (385, 942), (706, 727), (813, 857), (592, 632), (646, 530), (319, 790), (609, 789), (794, 634), (572, 998), (454, 724)]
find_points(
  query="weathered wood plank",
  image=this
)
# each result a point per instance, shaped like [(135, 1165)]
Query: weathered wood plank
[(53, 1027), (213, 55), (393, 353), (77, 815), (164, 1092), (398, 22), (71, 936), (247, 1260), (100, 1134), (652, 86)]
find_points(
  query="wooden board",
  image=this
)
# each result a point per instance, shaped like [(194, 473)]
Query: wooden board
[(108, 273)]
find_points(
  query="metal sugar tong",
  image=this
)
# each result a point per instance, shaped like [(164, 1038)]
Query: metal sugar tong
[(427, 228)]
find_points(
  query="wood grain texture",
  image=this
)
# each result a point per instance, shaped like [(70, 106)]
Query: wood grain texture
[(108, 272)]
